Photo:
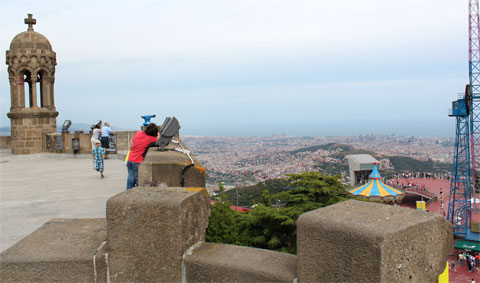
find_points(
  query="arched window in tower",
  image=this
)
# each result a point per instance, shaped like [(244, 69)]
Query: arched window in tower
[(27, 88), (40, 89)]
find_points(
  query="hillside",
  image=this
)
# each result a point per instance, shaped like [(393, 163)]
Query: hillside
[(250, 195), (326, 147), (402, 163)]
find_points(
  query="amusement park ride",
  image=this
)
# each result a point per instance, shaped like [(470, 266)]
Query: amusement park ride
[(465, 179)]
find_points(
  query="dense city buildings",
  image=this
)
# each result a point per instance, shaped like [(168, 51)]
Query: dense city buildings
[(241, 161)]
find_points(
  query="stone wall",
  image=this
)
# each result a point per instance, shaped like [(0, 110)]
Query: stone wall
[(5, 142), (62, 250), (123, 139), (212, 262), (28, 133), (157, 234), (84, 138), (67, 142)]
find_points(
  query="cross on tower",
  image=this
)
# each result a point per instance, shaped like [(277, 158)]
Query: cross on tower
[(30, 22)]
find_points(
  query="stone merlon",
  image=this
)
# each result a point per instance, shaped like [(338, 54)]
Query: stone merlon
[(371, 242)]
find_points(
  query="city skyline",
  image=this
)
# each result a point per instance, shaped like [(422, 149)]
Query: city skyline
[(241, 68)]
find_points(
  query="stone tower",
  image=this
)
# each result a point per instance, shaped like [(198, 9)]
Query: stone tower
[(31, 72)]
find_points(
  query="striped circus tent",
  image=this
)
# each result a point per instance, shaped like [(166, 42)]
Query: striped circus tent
[(376, 189)]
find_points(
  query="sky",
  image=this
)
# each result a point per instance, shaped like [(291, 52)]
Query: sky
[(253, 67)]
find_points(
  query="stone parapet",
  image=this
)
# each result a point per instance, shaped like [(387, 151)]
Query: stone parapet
[(212, 262), (171, 167), (149, 230), (5, 142), (62, 250), (123, 139), (370, 242), (85, 142), (157, 234)]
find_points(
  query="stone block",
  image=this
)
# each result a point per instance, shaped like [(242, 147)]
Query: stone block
[(371, 242), (62, 250), (123, 139), (67, 142), (19, 144), (212, 262), (149, 229), (85, 144), (19, 133), (167, 167)]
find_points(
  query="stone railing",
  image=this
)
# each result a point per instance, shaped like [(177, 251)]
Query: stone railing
[(62, 142), (157, 234), (53, 142)]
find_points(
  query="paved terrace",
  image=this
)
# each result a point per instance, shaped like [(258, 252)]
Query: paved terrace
[(35, 189)]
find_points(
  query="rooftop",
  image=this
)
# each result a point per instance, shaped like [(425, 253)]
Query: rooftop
[(363, 158)]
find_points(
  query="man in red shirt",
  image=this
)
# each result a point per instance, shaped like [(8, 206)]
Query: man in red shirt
[(140, 143)]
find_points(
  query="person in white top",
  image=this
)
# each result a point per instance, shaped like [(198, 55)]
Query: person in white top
[(97, 132)]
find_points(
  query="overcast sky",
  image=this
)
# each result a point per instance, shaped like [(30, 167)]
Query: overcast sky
[(253, 67)]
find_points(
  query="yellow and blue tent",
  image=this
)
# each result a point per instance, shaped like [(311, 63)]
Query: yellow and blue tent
[(376, 188)]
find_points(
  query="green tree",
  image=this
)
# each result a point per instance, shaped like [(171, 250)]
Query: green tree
[(271, 227), (266, 198), (275, 228), (223, 225), (312, 188)]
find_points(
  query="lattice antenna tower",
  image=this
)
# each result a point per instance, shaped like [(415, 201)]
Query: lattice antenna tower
[(467, 112), (474, 79), (458, 213)]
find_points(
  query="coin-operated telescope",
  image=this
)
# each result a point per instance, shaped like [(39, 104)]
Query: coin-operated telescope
[(96, 124), (147, 118), (169, 129), (66, 125)]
